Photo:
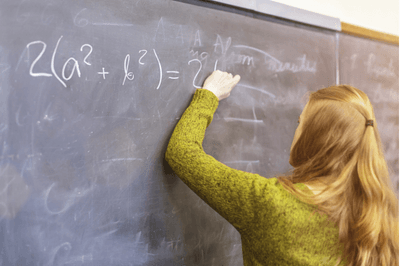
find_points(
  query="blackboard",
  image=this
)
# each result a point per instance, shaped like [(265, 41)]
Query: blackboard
[(90, 93), (373, 67)]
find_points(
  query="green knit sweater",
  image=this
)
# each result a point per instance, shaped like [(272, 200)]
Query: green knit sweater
[(276, 228)]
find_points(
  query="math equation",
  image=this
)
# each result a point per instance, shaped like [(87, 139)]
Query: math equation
[(72, 67)]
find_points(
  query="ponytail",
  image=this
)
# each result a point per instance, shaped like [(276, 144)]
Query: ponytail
[(340, 147)]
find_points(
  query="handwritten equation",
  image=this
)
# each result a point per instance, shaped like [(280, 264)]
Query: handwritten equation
[(72, 66), (88, 49)]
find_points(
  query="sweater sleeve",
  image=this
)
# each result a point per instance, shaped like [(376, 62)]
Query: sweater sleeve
[(235, 195)]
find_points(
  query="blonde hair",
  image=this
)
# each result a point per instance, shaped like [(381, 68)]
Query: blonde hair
[(336, 145)]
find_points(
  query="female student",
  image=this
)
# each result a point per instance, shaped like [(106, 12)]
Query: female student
[(336, 208)]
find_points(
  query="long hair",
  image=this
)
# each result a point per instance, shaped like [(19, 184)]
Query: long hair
[(338, 151)]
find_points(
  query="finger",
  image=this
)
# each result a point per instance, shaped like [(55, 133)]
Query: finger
[(218, 75), (236, 78)]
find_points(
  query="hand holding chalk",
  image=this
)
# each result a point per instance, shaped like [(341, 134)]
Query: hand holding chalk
[(221, 83)]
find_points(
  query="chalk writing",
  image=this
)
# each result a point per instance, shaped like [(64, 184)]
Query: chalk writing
[(203, 55), (82, 22), (145, 52), (215, 66), (52, 63), (46, 114), (254, 88), (64, 249), (76, 66), (180, 34), (377, 70), (235, 58), (289, 66), (37, 59), (104, 73), (128, 75), (197, 40), (277, 66), (220, 44), (22, 17), (198, 71), (72, 65), (353, 60), (47, 20), (160, 26), (159, 65), (91, 49), (174, 72), (4, 66), (267, 55), (112, 24)]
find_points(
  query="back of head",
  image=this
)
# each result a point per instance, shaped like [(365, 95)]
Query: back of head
[(337, 149)]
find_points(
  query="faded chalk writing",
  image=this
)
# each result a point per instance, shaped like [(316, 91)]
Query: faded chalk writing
[(379, 70)]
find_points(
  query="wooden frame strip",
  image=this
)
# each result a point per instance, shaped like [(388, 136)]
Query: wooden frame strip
[(370, 34)]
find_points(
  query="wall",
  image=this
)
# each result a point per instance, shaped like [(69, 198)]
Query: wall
[(381, 16)]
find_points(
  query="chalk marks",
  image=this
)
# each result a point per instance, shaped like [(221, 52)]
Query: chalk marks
[(104, 73), (128, 75), (257, 50), (231, 119), (90, 51), (22, 17), (14, 191), (220, 46), (17, 116), (197, 39), (79, 259), (122, 159), (145, 52), (160, 27), (379, 70), (198, 71), (119, 117), (52, 62), (3, 127), (304, 66), (82, 22), (37, 59), (59, 254), (160, 67), (112, 24), (173, 72), (48, 19), (195, 54), (75, 66), (71, 199), (46, 114), (277, 66), (257, 89), (241, 161)]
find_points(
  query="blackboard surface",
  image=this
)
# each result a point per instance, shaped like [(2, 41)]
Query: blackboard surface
[(373, 67), (90, 93)]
